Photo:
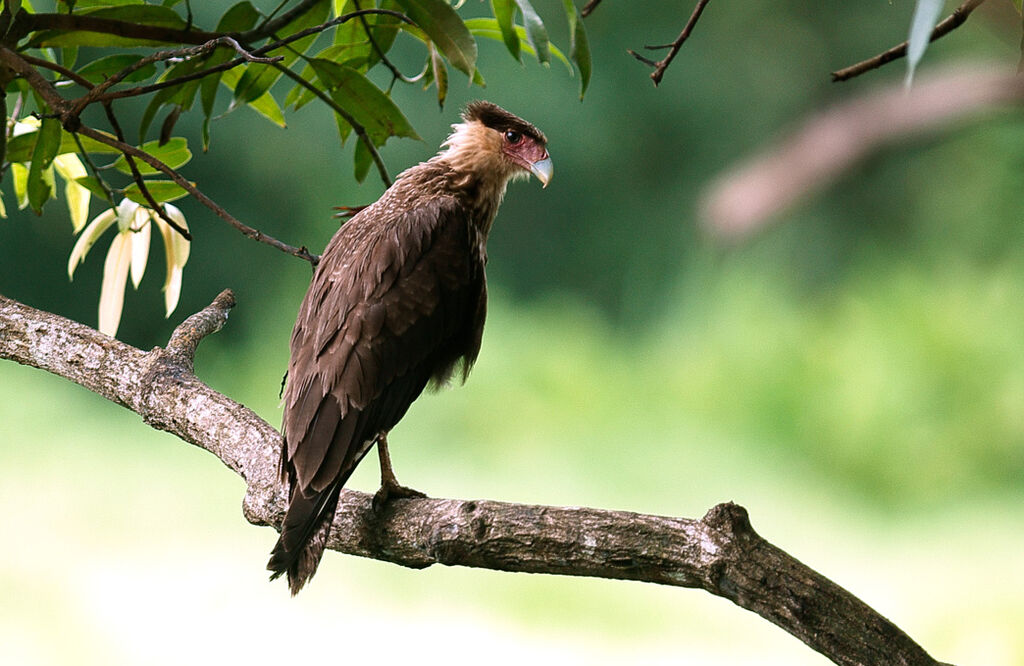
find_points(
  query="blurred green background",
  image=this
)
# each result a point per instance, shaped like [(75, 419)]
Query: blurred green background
[(854, 376)]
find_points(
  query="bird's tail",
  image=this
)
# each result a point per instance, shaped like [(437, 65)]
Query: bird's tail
[(304, 535)]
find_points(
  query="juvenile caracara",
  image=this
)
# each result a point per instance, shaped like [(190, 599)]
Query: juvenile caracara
[(397, 301)]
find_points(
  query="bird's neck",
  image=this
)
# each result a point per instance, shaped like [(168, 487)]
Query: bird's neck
[(480, 187)]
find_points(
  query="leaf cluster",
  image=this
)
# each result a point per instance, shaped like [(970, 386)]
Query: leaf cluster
[(83, 53)]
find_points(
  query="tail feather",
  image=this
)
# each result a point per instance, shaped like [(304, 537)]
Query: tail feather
[(304, 533)]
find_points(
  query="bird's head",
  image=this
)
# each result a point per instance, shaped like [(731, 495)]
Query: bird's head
[(490, 141)]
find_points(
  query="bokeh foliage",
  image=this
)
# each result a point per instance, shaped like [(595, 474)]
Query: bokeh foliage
[(853, 375)]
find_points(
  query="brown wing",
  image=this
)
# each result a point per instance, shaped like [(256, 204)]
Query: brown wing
[(395, 302)]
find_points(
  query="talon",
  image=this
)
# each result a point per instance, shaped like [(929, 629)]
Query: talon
[(389, 486), (388, 492)]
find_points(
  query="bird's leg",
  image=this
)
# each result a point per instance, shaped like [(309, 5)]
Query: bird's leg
[(389, 486)]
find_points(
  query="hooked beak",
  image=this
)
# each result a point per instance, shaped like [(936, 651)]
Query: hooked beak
[(543, 169)]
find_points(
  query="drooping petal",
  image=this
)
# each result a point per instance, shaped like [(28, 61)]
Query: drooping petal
[(126, 214), (88, 237), (172, 290), (141, 232), (176, 251), (115, 276), (182, 246)]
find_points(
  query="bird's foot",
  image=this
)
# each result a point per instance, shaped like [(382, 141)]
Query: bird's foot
[(390, 491)]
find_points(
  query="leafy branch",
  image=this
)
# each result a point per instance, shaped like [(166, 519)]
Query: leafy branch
[(944, 27), (247, 53)]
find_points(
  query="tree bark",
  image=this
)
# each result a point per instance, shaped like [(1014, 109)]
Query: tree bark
[(720, 553)]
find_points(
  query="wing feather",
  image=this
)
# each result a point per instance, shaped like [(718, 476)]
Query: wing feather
[(393, 304)]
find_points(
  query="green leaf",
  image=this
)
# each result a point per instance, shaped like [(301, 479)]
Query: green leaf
[(239, 18), (12, 6), (440, 74), (363, 160), (68, 56), (19, 173), (88, 4), (39, 186), (444, 27), (257, 79), (579, 49), (140, 13), (183, 94), (926, 13), (90, 183), (536, 33), (266, 105), (162, 191), (365, 102), (487, 27), (21, 147), (101, 69), (504, 14), (174, 153)]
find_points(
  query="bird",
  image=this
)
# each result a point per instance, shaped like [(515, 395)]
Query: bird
[(397, 302)]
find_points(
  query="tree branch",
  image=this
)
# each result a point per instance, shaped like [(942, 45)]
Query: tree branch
[(62, 108), (758, 190), (139, 180), (357, 127), (945, 26), (70, 22), (673, 48), (589, 7), (255, 234), (720, 553)]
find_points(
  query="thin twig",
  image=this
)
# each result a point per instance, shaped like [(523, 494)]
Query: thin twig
[(187, 52), (153, 87), (84, 155), (589, 7), (137, 177), (60, 69), (944, 27), (662, 65), (356, 126), (72, 123), (249, 232), (272, 25), (395, 73)]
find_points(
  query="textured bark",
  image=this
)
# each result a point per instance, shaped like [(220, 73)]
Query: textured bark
[(719, 553)]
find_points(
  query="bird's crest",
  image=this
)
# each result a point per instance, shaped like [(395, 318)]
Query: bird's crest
[(497, 118)]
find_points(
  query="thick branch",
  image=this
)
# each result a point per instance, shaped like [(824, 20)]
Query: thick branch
[(70, 22), (719, 553), (945, 26)]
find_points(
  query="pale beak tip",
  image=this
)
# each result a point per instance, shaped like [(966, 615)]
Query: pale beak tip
[(543, 169)]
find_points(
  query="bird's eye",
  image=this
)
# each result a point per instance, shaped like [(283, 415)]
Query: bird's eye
[(513, 137)]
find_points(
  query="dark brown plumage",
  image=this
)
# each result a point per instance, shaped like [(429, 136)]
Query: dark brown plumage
[(397, 301)]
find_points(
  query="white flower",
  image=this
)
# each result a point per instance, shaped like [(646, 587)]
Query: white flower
[(129, 253)]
